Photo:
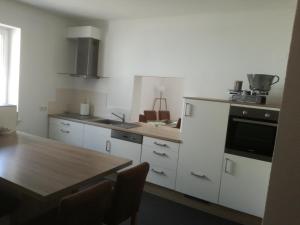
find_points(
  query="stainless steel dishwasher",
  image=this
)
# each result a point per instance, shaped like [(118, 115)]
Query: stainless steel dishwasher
[(127, 145)]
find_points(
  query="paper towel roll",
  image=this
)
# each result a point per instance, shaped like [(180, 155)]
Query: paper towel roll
[(84, 109)]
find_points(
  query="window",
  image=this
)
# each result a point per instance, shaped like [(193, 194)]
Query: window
[(3, 65), (9, 64)]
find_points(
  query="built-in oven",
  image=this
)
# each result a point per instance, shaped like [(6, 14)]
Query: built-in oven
[(252, 132)]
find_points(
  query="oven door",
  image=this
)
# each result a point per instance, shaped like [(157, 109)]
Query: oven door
[(251, 138)]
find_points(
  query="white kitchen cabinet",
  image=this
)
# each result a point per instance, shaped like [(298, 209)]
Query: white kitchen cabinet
[(163, 159), (244, 184), (97, 138), (66, 131), (204, 128), (126, 149)]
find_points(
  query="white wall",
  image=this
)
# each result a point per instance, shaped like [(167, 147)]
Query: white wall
[(43, 54), (283, 202), (210, 51)]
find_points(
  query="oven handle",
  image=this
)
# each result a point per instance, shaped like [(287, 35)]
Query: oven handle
[(255, 122)]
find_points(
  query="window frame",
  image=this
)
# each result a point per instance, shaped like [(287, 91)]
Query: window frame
[(5, 33)]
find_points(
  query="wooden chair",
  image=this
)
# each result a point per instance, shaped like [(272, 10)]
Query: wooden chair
[(7, 204), (142, 118), (87, 207), (150, 115), (127, 195), (164, 115), (178, 124)]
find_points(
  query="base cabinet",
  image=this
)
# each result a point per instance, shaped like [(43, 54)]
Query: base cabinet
[(163, 159), (244, 184), (97, 138), (201, 153), (126, 149), (66, 131)]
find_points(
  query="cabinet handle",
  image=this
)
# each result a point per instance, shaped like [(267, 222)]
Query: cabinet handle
[(64, 131), (228, 166), (65, 124), (198, 175), (160, 172), (188, 109), (160, 153), (108, 146), (161, 145)]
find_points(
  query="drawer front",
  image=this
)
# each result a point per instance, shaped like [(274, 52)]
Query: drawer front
[(163, 157), (195, 183), (160, 144), (65, 124), (66, 131), (161, 176)]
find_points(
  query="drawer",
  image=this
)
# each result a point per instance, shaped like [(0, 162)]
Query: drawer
[(197, 184), (160, 144), (161, 176), (66, 131), (163, 157), (64, 124)]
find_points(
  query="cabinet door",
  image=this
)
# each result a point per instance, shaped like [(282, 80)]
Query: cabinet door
[(96, 138), (128, 150), (53, 129), (204, 129), (245, 184)]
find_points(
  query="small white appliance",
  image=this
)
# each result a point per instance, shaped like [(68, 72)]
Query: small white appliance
[(84, 109)]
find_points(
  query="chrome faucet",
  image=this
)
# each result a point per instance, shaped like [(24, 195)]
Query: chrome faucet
[(120, 117)]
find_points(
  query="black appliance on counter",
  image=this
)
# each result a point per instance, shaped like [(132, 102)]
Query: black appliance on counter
[(259, 85), (252, 132)]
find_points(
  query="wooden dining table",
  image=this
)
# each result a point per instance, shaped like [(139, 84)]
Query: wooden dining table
[(45, 170)]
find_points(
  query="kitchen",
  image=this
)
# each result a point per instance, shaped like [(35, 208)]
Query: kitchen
[(209, 49)]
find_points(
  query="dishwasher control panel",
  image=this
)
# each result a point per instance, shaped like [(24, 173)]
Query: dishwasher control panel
[(127, 136)]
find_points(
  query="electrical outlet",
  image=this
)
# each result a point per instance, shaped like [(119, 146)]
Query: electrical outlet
[(43, 108)]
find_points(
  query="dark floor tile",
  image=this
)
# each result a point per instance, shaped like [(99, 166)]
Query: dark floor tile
[(157, 211)]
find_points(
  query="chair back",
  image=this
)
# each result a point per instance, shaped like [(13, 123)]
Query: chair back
[(178, 124), (142, 118), (150, 115), (164, 115), (127, 194), (87, 207)]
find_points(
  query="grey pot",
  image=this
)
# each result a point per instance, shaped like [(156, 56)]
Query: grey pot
[(262, 82)]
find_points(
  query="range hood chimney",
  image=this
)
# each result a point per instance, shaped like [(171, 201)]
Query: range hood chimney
[(87, 50)]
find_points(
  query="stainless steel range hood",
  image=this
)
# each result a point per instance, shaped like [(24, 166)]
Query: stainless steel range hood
[(86, 40), (86, 59)]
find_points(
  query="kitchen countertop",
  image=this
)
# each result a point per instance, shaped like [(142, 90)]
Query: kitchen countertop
[(160, 132), (266, 106)]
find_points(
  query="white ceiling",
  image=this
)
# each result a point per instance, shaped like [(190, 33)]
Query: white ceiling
[(131, 9)]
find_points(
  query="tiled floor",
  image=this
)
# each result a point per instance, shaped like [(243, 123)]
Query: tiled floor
[(158, 211)]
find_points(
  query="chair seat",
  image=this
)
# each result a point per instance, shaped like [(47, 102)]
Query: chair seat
[(7, 204), (48, 218)]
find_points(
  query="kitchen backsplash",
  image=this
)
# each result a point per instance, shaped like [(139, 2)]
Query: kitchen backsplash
[(68, 100)]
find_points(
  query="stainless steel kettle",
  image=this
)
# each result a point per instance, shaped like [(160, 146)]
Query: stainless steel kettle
[(262, 82)]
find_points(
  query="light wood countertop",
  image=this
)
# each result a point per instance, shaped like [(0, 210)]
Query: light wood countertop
[(267, 106), (45, 168), (149, 130)]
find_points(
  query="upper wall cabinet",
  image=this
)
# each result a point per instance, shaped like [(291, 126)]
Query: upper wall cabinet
[(204, 129)]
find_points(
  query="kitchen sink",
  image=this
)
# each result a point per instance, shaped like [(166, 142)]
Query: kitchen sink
[(107, 121), (117, 123)]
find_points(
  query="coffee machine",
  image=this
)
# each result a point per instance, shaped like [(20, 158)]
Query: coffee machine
[(259, 87)]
